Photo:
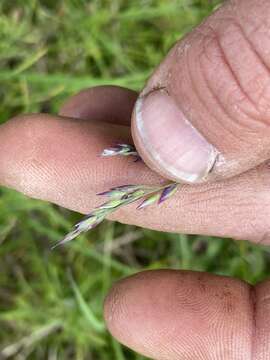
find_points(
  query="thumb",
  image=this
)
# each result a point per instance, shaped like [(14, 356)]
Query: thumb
[(205, 112)]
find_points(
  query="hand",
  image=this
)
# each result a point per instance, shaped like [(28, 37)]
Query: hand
[(216, 79)]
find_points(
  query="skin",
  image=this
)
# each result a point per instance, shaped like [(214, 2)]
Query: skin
[(218, 75), (170, 315)]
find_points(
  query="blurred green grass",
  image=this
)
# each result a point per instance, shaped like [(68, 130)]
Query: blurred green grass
[(51, 302)]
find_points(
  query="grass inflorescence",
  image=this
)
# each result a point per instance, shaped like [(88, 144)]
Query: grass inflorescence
[(121, 196)]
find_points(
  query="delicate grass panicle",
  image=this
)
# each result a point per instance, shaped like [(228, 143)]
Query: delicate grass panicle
[(121, 196)]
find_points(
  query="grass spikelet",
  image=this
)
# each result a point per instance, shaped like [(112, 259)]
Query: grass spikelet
[(120, 149), (168, 192), (149, 201)]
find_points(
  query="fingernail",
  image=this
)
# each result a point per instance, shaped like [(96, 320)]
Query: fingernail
[(170, 140)]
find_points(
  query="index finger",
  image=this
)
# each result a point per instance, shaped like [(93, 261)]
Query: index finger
[(58, 160)]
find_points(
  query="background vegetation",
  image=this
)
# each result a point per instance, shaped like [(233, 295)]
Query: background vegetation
[(51, 302)]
